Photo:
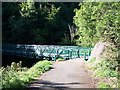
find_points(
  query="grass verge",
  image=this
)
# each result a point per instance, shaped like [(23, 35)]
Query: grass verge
[(60, 59), (15, 76), (105, 72)]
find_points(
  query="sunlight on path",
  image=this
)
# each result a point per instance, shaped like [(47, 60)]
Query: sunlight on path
[(65, 74)]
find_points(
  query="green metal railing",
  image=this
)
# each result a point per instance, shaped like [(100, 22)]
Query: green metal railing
[(46, 51)]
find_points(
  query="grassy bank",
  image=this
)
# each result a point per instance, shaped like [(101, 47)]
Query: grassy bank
[(16, 76), (105, 72)]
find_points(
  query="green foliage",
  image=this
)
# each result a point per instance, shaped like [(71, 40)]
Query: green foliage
[(92, 60), (82, 20), (104, 69), (65, 41), (10, 76), (96, 22), (27, 8), (111, 52), (39, 68), (15, 76), (119, 81), (103, 85), (60, 59), (100, 72), (99, 21), (36, 22)]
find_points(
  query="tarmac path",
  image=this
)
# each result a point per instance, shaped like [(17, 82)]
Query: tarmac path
[(64, 75)]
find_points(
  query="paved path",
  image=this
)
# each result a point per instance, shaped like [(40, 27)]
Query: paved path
[(66, 74)]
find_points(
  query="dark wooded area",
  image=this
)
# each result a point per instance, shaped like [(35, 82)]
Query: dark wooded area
[(37, 22)]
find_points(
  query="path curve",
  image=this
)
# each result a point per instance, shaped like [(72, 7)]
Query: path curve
[(65, 74)]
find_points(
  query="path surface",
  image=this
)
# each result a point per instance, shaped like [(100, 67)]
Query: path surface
[(65, 74)]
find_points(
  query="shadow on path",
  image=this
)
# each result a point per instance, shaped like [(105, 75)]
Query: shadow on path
[(47, 85)]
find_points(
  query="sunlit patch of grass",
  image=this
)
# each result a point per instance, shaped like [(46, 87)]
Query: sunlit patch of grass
[(103, 85), (60, 59), (104, 71), (15, 76)]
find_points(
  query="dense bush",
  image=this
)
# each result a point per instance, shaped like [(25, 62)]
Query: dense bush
[(15, 76), (98, 21)]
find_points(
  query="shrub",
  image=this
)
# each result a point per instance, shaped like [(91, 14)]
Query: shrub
[(104, 70), (15, 76), (103, 85)]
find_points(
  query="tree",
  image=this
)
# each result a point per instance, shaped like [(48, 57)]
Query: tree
[(9, 11), (97, 21), (37, 22)]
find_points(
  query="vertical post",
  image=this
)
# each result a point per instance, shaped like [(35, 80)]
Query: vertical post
[(57, 51), (55, 58), (89, 52), (70, 54), (78, 54), (85, 56)]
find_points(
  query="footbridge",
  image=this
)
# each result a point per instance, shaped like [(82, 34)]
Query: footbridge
[(51, 52)]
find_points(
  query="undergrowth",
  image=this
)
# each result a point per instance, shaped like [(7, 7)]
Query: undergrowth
[(16, 76), (105, 70)]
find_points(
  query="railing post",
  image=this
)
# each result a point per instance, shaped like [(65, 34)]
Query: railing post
[(78, 54), (89, 52), (71, 54), (55, 58), (85, 56)]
